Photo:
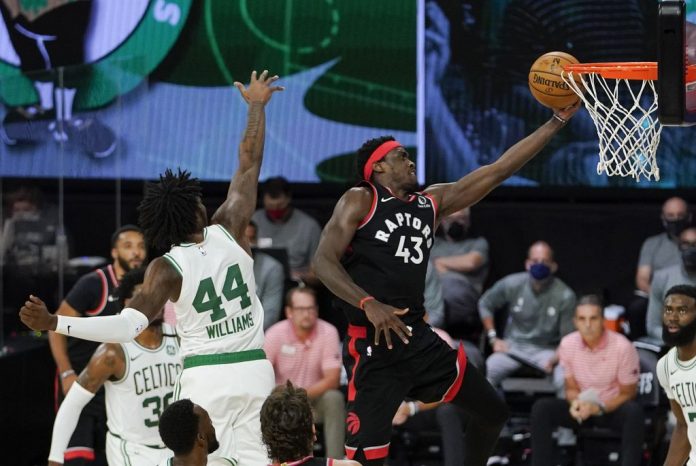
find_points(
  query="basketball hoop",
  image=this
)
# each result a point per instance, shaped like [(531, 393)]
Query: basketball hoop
[(622, 100)]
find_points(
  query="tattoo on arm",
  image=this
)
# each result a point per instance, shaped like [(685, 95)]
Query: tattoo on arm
[(252, 128)]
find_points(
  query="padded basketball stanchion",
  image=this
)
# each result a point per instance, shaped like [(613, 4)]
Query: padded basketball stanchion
[(622, 100)]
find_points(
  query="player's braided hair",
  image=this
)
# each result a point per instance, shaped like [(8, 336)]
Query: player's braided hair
[(178, 427), (286, 423), (169, 209), (366, 150)]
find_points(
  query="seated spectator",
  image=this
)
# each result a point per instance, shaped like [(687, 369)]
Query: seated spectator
[(462, 265), (32, 240), (288, 431), (663, 280), (280, 225), (270, 280), (187, 430), (450, 420), (601, 379), (306, 351), (432, 297), (658, 252), (540, 309)]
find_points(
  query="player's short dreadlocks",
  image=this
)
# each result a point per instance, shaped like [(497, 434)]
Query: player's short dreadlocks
[(169, 209)]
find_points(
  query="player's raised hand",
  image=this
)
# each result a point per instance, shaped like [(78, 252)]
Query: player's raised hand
[(568, 112), (386, 318), (260, 88), (35, 315)]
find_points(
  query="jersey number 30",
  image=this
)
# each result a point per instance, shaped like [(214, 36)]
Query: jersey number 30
[(234, 287)]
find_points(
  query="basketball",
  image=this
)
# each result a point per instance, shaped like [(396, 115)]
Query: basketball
[(546, 83)]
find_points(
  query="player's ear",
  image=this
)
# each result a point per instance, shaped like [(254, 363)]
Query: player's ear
[(377, 167)]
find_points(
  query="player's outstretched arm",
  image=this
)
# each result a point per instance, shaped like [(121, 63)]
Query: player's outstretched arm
[(108, 360), (452, 197), (337, 235), (679, 447), (235, 213), (161, 283)]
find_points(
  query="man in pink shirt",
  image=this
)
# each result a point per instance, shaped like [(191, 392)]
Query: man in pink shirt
[(601, 378), (305, 350)]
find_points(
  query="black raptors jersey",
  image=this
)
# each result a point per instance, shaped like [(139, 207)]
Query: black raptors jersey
[(389, 254), (92, 295)]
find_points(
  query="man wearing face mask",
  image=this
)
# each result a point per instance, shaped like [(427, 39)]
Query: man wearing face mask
[(462, 264), (683, 273), (540, 309), (658, 252), (280, 225)]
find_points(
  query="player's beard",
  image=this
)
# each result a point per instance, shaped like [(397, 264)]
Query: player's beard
[(125, 265), (683, 337)]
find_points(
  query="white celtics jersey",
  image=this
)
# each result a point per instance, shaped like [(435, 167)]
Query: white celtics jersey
[(678, 379), (135, 402), (217, 310)]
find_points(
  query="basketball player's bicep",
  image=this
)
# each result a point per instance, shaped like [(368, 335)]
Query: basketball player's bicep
[(106, 362), (161, 284), (350, 210), (467, 191)]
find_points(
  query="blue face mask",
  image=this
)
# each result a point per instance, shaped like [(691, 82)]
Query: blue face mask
[(539, 271)]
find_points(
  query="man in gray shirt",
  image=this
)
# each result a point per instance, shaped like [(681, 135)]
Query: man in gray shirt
[(270, 280), (658, 252), (541, 310), (462, 265), (283, 226), (683, 273)]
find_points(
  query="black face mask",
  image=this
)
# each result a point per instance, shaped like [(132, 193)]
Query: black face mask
[(675, 227), (683, 337), (689, 257), (456, 231)]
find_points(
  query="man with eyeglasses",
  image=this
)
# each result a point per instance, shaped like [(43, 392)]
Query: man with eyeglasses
[(305, 350), (676, 371), (663, 280)]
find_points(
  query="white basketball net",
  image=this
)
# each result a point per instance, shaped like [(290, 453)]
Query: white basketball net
[(625, 115)]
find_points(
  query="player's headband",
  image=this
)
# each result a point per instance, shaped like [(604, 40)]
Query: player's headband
[(378, 155)]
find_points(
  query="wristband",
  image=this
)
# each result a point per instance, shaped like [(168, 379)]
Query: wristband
[(412, 407), (560, 118), (492, 335), (364, 300), (64, 374)]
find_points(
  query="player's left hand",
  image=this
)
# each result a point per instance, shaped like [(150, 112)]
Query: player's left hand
[(386, 318), (568, 112), (260, 89), (402, 414), (35, 315)]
